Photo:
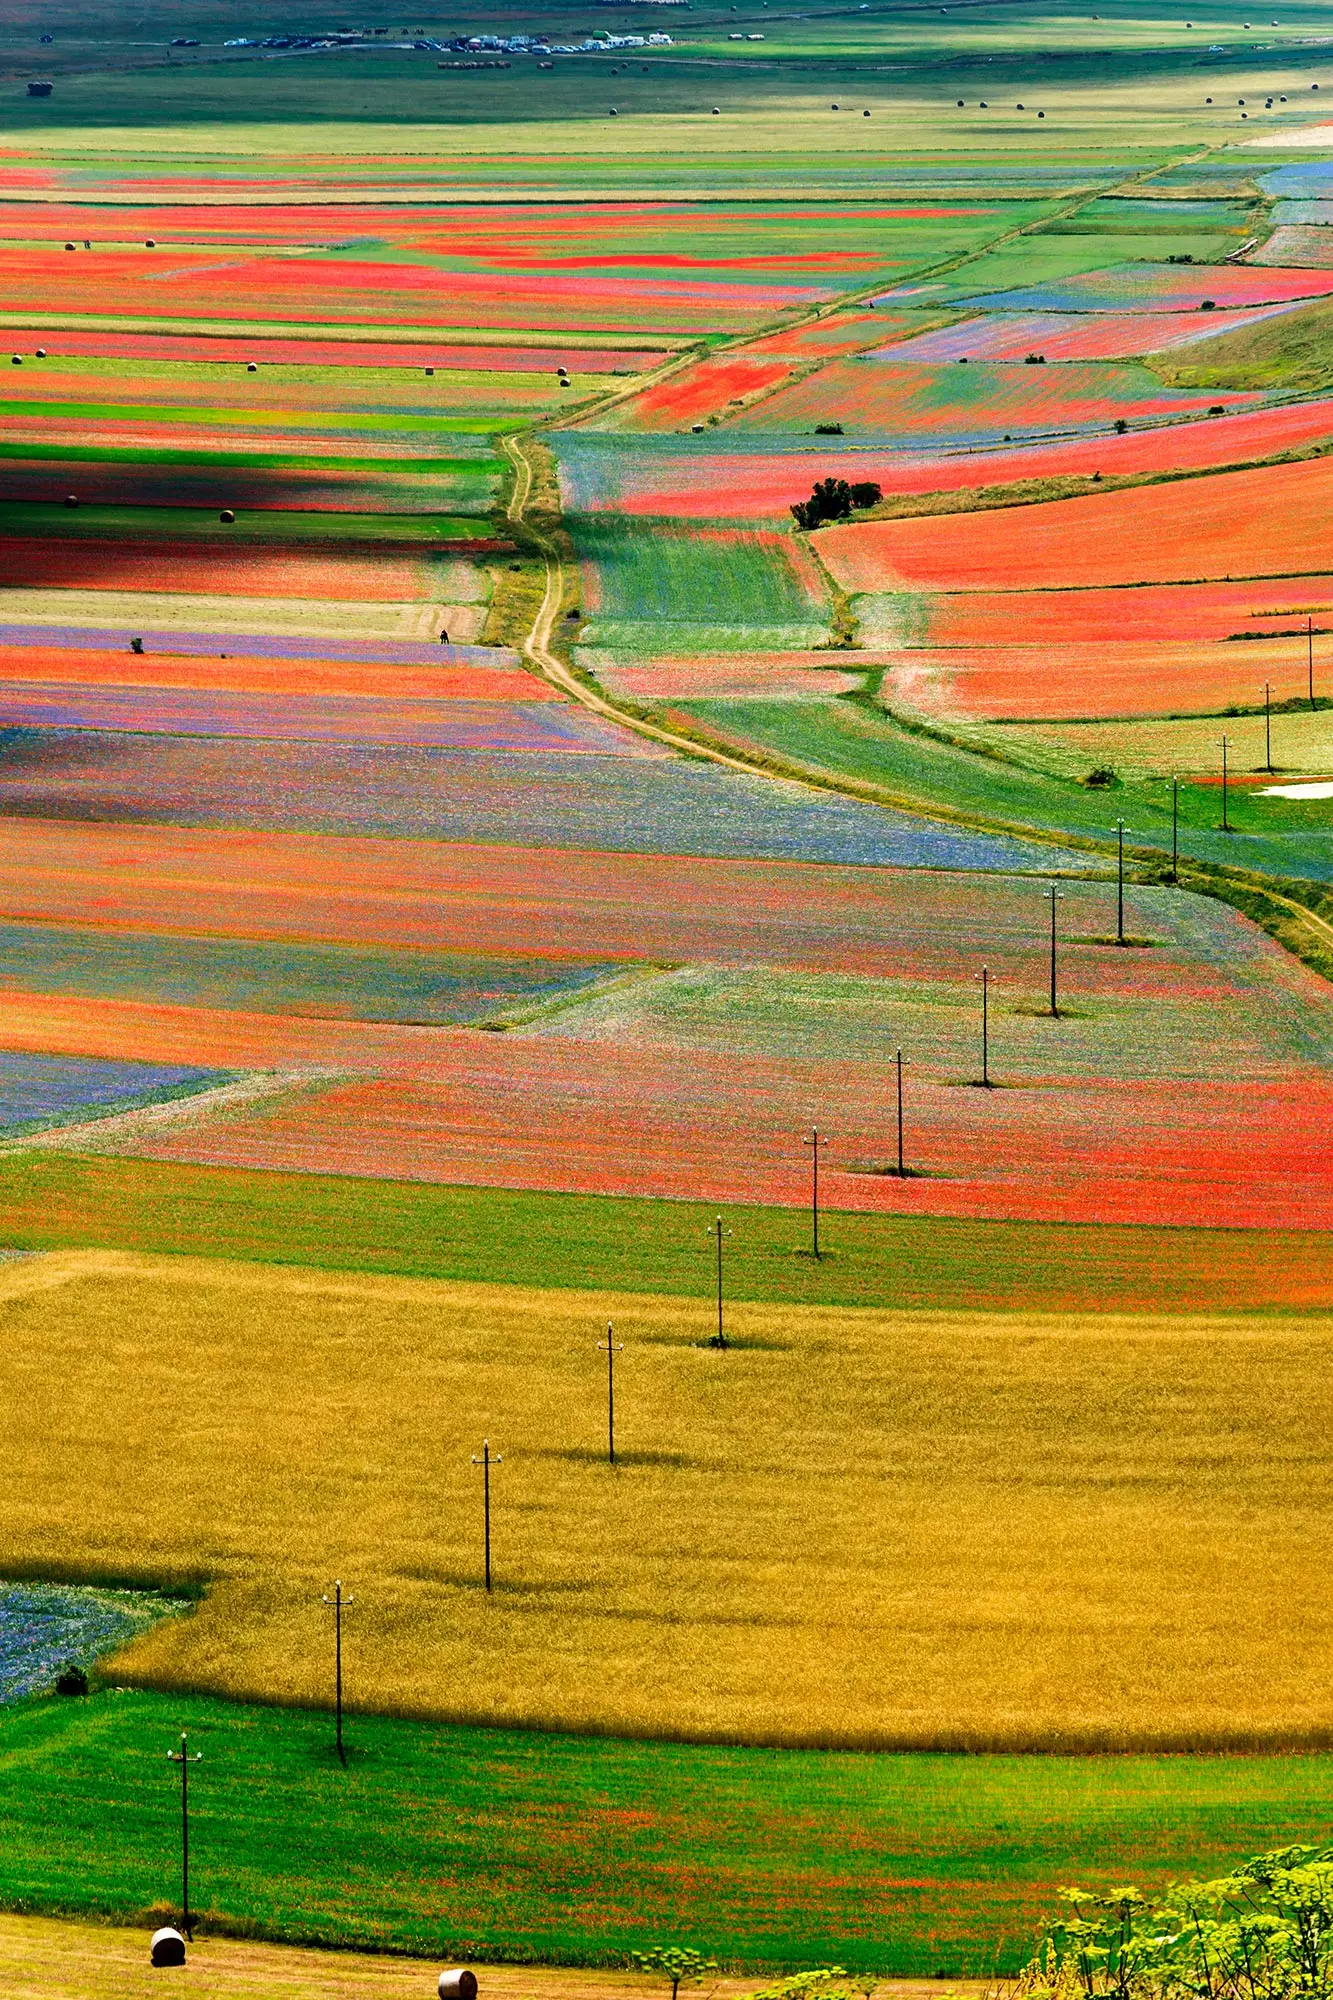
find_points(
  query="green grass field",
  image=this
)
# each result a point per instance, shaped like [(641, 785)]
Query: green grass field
[(507, 1845), (53, 1200)]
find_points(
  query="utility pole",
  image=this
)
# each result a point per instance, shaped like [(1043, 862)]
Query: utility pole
[(486, 1462), (984, 977), (1268, 729), (613, 1347), (185, 1759), (1055, 897), (338, 1601), (902, 1171), (1309, 656), (814, 1142), (715, 1229), (1225, 825), (1175, 828), (1120, 882)]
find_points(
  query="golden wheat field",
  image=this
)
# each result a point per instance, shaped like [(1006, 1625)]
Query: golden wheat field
[(851, 1528)]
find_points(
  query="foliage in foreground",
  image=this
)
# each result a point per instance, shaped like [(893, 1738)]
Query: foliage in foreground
[(1263, 1932)]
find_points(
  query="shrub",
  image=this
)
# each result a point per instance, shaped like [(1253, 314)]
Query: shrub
[(675, 1962), (1264, 1932), (1102, 775), (72, 1681)]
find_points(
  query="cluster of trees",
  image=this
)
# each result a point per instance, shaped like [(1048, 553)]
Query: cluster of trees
[(834, 499)]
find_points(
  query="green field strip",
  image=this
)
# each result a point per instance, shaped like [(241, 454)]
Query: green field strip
[(518, 1846), (248, 461), (92, 522), (223, 418), (51, 1201)]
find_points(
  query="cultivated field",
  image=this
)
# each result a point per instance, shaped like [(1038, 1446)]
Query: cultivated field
[(777, 1555), (460, 837)]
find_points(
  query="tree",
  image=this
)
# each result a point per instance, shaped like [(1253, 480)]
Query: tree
[(676, 1962), (833, 500)]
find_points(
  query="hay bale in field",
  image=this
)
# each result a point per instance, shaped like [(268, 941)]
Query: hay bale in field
[(167, 1947), (457, 1983), (227, 516), (40, 89)]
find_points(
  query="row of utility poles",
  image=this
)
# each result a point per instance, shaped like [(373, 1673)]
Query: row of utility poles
[(487, 1459)]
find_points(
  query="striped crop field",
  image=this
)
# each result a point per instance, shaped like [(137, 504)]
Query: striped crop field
[(1083, 681), (709, 389), (1173, 612), (737, 476), (1310, 248), (1070, 336), (783, 676), (347, 575), (650, 589), (113, 343), (973, 404), (508, 726), (1138, 288), (439, 677), (1268, 523), (636, 797), (540, 1115), (628, 1092)]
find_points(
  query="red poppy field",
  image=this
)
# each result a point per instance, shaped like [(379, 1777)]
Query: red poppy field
[(1268, 523), (1090, 681)]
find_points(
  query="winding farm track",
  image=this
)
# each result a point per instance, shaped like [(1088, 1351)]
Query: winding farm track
[(537, 645), (537, 650)]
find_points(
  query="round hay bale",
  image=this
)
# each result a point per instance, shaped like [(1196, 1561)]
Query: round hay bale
[(150, 243), (69, 246), (71, 499), (430, 371), (41, 354), (227, 516), (252, 367), (457, 1983), (167, 1947), (16, 360)]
